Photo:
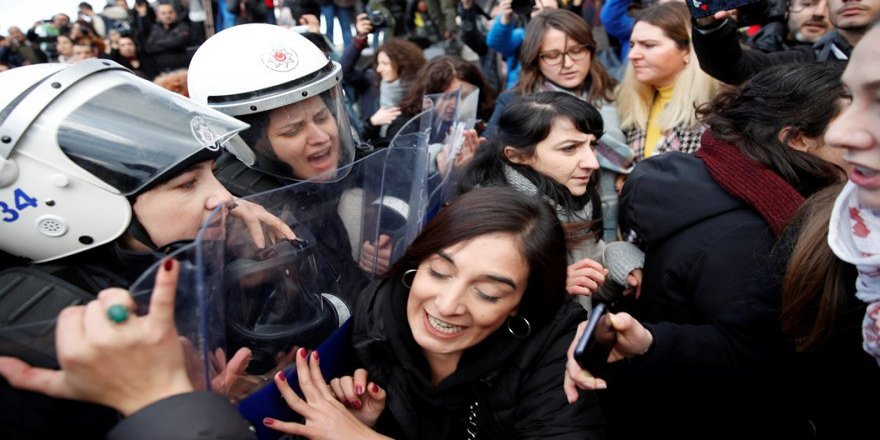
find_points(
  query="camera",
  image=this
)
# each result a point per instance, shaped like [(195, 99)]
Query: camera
[(523, 8), (377, 18)]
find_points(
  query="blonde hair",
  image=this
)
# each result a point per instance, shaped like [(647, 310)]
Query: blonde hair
[(692, 87)]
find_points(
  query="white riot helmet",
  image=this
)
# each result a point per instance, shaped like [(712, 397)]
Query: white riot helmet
[(79, 142), (282, 85)]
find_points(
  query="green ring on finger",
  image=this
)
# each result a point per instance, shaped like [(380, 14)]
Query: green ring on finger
[(117, 313)]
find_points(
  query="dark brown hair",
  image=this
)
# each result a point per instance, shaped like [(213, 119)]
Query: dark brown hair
[(491, 210), (599, 83), (802, 100), (816, 284), (436, 75)]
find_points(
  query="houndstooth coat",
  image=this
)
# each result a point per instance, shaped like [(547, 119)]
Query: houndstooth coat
[(685, 140)]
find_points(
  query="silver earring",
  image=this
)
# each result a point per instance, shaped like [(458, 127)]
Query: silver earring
[(412, 272), (525, 329)]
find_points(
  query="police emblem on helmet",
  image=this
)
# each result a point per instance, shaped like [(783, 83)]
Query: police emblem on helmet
[(280, 59), (203, 133)]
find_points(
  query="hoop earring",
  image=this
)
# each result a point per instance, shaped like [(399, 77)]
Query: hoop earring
[(412, 272), (524, 323)]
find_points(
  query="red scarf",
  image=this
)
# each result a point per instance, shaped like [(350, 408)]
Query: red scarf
[(774, 198)]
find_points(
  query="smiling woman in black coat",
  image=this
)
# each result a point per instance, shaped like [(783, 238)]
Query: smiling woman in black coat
[(466, 336)]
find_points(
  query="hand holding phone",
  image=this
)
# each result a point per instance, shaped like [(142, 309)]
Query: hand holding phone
[(597, 340), (707, 8)]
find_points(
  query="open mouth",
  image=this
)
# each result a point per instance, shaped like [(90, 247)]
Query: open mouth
[(443, 327), (322, 160), (865, 177)]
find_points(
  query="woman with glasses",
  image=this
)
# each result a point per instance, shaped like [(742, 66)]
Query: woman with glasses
[(663, 84), (558, 54)]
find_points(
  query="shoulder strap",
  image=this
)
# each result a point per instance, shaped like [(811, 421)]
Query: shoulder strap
[(241, 180)]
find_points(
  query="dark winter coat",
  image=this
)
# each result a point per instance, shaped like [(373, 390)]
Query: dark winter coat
[(186, 416), (703, 250), (722, 57), (510, 388)]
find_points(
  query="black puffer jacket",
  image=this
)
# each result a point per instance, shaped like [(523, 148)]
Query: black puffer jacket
[(703, 249), (516, 384)]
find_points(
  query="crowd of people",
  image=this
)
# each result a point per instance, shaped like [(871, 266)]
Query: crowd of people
[(710, 182)]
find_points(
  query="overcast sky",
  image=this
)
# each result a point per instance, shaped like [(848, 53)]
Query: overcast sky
[(24, 13)]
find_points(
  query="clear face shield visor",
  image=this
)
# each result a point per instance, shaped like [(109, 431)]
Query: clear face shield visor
[(299, 131), (98, 133)]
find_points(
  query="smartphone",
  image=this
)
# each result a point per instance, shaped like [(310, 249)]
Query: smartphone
[(597, 340), (705, 8)]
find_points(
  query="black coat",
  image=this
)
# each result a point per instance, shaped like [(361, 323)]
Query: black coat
[(517, 383), (29, 415), (701, 378), (826, 412), (186, 416), (722, 57)]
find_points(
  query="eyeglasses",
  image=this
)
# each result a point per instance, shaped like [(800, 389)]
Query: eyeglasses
[(555, 57), (801, 5)]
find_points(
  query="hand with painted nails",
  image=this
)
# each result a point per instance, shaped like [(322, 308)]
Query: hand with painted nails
[(256, 218), (126, 365), (585, 277), (326, 418), (633, 339), (365, 400)]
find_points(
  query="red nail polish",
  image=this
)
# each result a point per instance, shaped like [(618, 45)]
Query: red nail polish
[(359, 390), (282, 377), (375, 388), (315, 354), (356, 404), (169, 263), (267, 421), (303, 353)]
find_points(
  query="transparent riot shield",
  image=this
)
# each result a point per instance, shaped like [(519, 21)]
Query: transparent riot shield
[(445, 121), (196, 313), (295, 293)]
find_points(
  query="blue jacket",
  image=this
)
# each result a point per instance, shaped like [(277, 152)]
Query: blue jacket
[(618, 24), (506, 39)]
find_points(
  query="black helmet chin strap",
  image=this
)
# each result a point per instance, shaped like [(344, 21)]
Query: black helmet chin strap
[(136, 230)]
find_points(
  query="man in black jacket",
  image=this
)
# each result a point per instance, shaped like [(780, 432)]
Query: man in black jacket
[(168, 40), (721, 56), (805, 22)]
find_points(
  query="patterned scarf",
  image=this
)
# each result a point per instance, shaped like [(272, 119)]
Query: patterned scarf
[(547, 86), (774, 198), (854, 236), (522, 184)]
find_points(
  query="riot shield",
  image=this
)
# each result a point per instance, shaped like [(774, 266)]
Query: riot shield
[(234, 297), (445, 120), (296, 293)]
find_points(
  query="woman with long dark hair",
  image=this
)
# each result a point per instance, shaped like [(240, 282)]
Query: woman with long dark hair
[(545, 146), (700, 338), (465, 336), (559, 54), (445, 74)]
